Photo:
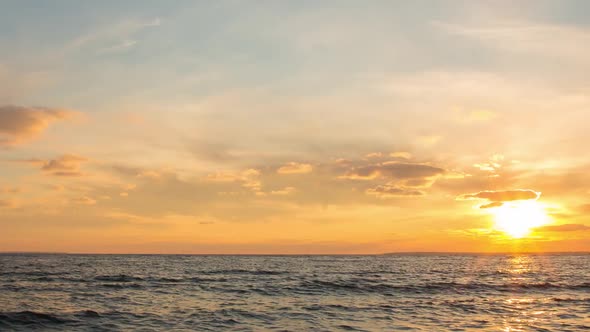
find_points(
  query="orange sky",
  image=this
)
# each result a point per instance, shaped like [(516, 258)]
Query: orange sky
[(334, 129)]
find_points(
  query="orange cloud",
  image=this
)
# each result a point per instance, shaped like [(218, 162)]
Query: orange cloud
[(389, 191), (295, 168), (84, 200), (585, 208), (9, 190), (395, 170), (6, 203), (401, 154), (64, 165), (504, 196), (284, 191), (67, 162), (249, 178), (497, 198), (20, 124), (374, 155), (491, 205)]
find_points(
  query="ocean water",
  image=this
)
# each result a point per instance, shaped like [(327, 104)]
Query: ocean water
[(294, 293)]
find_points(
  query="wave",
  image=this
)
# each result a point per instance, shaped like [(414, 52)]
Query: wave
[(32, 274), (89, 314), (308, 286), (122, 278), (243, 271), (121, 286), (29, 318), (118, 278), (370, 287), (572, 300)]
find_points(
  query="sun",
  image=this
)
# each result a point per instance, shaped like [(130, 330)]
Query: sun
[(518, 218)]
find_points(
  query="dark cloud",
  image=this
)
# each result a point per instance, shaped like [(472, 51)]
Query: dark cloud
[(563, 228), (20, 124), (503, 196), (395, 170)]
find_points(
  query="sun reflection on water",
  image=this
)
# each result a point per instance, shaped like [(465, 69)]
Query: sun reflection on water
[(523, 307)]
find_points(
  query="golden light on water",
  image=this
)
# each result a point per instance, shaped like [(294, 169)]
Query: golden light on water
[(518, 218)]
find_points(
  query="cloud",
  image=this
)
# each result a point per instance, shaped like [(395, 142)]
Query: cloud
[(477, 116), (563, 228), (497, 198), (528, 38), (113, 38), (394, 170), (21, 124), (249, 178), (149, 174), (120, 47), (9, 190), (295, 168), (401, 154), (493, 165), (491, 205), (284, 191), (6, 203), (374, 155), (429, 140), (486, 167), (585, 208), (214, 151), (67, 162), (85, 200), (390, 191), (64, 165), (503, 196)]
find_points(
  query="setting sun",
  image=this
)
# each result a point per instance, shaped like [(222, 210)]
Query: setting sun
[(518, 218)]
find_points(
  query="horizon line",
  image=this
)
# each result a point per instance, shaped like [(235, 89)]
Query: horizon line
[(306, 254)]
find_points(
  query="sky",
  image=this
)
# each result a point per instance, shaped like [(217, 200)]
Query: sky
[(294, 127)]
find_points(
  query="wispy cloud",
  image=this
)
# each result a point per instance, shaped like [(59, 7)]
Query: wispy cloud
[(113, 38), (525, 37), (124, 45)]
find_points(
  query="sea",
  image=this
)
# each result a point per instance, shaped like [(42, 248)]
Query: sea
[(398, 292)]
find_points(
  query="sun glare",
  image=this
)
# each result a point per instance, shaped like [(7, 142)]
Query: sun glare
[(518, 218)]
